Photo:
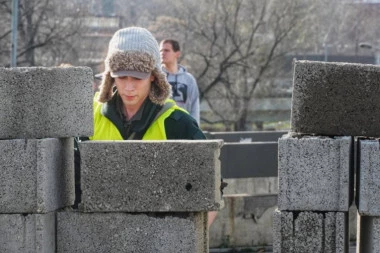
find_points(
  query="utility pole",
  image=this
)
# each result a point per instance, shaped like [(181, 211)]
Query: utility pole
[(14, 33)]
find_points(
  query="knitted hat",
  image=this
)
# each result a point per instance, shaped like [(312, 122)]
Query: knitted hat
[(133, 51)]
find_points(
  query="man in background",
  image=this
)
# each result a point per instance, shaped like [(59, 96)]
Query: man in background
[(184, 86)]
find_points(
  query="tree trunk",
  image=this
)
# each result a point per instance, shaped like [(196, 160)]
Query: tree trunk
[(241, 123)]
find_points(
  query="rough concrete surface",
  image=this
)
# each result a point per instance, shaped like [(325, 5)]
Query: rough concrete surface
[(315, 173), (125, 232), (310, 232), (30, 233), (150, 176), (368, 176), (39, 102), (368, 234), (37, 175), (336, 99)]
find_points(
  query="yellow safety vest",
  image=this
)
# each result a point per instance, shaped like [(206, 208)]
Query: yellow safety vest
[(104, 129)]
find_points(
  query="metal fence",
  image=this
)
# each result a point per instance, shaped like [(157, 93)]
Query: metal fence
[(248, 154)]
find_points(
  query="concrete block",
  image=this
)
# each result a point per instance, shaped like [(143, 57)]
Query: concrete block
[(315, 173), (368, 234), (32, 233), (283, 232), (150, 176), (368, 178), (40, 102), (310, 232), (37, 175), (335, 99), (123, 232)]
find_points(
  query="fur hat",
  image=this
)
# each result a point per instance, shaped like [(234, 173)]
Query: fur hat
[(134, 50)]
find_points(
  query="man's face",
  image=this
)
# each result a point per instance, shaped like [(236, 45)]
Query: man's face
[(168, 56), (133, 91)]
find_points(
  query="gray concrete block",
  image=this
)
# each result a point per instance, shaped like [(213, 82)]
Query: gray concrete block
[(150, 176), (310, 232), (40, 102), (368, 176), (123, 232), (335, 99), (368, 234), (315, 173), (37, 175), (32, 233), (283, 232), (336, 232)]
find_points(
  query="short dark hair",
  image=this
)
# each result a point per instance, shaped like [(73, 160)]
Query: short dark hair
[(174, 43)]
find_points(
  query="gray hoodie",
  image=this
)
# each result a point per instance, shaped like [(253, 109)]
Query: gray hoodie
[(185, 90)]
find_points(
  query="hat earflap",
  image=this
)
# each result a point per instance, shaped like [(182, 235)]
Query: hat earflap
[(105, 89), (160, 89)]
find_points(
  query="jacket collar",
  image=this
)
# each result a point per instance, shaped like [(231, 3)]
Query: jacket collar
[(138, 124)]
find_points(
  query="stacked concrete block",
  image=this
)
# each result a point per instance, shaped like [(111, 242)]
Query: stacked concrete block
[(315, 173), (127, 232), (37, 175), (45, 102), (140, 176), (145, 196), (368, 175), (42, 110), (335, 99), (315, 192), (310, 232), (30, 233), (368, 234), (367, 198), (137, 196), (332, 104)]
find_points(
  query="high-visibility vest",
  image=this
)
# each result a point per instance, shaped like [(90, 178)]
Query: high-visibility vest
[(104, 129)]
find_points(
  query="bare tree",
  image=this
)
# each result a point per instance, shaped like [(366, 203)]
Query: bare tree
[(5, 32), (358, 23), (337, 27), (234, 46), (47, 30)]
